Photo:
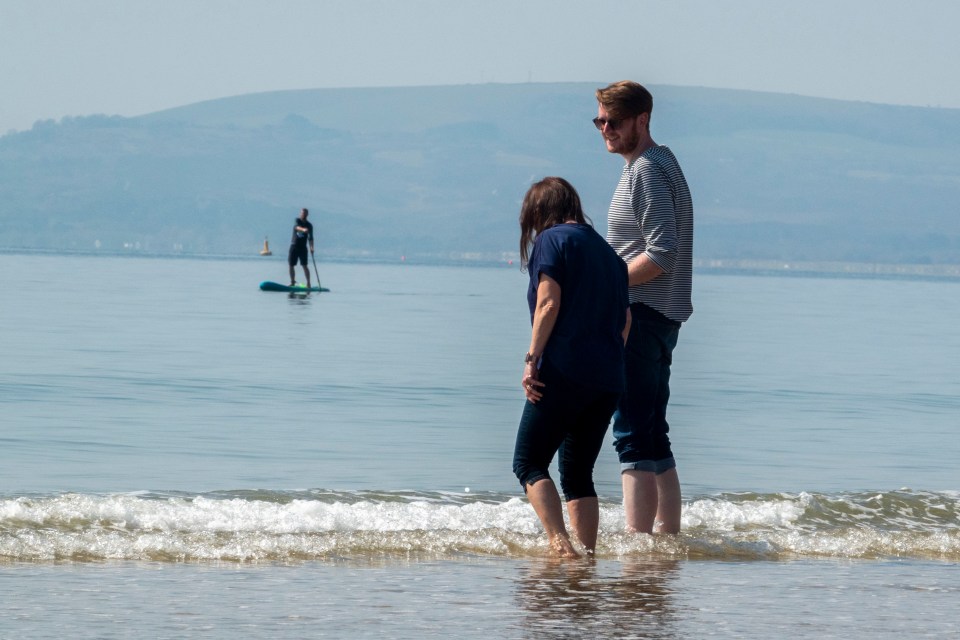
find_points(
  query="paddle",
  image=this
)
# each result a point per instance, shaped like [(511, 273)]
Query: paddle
[(316, 273)]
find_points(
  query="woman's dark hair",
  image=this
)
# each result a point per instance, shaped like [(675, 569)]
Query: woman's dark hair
[(549, 202)]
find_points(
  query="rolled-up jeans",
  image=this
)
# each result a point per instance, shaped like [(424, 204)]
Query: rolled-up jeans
[(640, 425)]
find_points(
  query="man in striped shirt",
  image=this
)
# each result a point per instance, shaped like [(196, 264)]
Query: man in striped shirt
[(650, 225)]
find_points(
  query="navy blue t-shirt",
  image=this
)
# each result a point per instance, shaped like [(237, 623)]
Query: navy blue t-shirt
[(586, 344), (299, 238)]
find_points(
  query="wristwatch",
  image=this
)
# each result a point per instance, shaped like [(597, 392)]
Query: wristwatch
[(528, 358)]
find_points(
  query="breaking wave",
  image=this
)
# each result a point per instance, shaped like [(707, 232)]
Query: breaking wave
[(285, 526)]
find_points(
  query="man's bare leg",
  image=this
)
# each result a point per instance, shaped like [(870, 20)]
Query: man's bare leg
[(639, 499), (668, 502), (651, 502)]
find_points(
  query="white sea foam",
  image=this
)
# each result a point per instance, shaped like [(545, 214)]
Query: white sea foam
[(279, 526), (726, 515)]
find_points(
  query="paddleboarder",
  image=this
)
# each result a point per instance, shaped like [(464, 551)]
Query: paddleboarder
[(302, 236)]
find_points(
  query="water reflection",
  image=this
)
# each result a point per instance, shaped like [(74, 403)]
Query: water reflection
[(301, 298), (601, 599)]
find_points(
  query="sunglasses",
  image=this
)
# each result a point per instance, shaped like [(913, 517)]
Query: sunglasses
[(600, 122)]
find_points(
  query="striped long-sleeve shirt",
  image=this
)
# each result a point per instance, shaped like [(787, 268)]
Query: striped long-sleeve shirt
[(652, 212)]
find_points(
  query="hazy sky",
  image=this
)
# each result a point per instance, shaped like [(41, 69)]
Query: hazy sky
[(128, 57)]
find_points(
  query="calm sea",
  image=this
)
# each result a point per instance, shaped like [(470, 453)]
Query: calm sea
[(183, 455)]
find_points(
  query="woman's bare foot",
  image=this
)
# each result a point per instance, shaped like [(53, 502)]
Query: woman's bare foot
[(562, 546)]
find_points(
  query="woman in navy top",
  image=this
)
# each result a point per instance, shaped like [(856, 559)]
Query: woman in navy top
[(573, 373)]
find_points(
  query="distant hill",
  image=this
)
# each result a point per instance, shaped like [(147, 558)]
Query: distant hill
[(438, 173)]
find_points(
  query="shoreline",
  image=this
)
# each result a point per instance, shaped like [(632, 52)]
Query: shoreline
[(831, 269), (727, 266)]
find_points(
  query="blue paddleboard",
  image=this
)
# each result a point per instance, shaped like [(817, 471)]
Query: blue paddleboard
[(298, 288)]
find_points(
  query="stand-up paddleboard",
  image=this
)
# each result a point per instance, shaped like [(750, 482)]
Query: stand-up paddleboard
[(297, 288)]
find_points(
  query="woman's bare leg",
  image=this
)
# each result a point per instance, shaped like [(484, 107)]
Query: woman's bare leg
[(545, 499)]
